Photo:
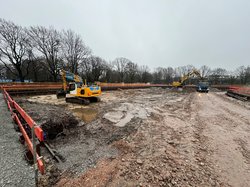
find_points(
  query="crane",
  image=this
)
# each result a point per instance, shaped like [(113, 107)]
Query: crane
[(78, 92)]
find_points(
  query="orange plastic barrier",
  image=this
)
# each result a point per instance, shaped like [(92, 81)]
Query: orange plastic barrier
[(240, 89), (12, 105), (36, 87), (30, 86)]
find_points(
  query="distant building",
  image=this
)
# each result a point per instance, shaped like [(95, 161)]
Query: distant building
[(5, 80)]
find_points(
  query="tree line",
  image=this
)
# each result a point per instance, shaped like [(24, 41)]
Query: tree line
[(38, 54)]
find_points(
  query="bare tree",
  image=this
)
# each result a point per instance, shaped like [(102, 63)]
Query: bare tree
[(98, 67), (36, 66), (217, 75), (240, 73), (108, 73), (131, 70), (247, 75), (120, 66), (47, 42), (183, 70), (180, 71), (14, 47), (74, 50), (145, 75), (85, 69), (158, 75), (93, 68), (168, 74), (2, 71), (204, 71)]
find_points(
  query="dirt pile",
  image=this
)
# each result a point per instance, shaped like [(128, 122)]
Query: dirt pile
[(99, 176)]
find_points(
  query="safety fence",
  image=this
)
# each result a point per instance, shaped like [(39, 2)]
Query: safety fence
[(40, 88), (115, 86), (53, 87), (49, 85), (240, 89), (25, 124), (239, 92), (30, 86)]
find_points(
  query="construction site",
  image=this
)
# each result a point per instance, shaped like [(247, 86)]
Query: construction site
[(125, 93), (137, 135)]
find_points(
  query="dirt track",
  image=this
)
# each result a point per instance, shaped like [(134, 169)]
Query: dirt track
[(226, 127), (156, 137)]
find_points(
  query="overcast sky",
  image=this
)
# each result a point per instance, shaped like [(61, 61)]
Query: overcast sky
[(151, 32)]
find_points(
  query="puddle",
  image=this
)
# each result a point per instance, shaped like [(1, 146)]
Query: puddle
[(86, 114)]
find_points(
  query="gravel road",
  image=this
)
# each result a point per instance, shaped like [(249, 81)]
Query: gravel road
[(14, 170)]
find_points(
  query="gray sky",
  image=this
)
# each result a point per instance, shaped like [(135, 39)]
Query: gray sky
[(151, 32)]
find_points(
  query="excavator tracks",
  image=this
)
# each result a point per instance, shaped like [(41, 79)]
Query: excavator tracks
[(82, 101)]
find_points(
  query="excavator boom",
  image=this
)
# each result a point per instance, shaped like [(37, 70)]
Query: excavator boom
[(185, 77)]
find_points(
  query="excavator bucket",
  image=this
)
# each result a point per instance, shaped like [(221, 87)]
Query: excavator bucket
[(61, 94)]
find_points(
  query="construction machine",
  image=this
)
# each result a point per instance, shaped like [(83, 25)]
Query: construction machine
[(185, 77), (78, 92)]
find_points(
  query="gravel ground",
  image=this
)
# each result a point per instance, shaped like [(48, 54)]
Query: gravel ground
[(14, 170)]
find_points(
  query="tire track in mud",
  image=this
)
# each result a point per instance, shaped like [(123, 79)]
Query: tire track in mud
[(189, 143), (231, 111), (201, 150), (237, 115), (244, 150)]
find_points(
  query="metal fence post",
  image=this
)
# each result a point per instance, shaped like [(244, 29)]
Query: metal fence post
[(34, 154)]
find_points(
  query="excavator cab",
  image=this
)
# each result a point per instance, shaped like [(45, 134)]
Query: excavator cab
[(73, 88)]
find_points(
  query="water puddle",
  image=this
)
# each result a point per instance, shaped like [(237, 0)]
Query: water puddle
[(86, 114)]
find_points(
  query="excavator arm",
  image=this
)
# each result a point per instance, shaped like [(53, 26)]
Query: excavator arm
[(64, 81), (68, 77), (186, 77)]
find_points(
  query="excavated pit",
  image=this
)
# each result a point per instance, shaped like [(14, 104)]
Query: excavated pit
[(54, 120)]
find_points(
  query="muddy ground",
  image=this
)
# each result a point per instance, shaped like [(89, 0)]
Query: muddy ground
[(147, 137)]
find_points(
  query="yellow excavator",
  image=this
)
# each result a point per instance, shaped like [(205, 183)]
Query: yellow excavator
[(78, 92), (185, 77)]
